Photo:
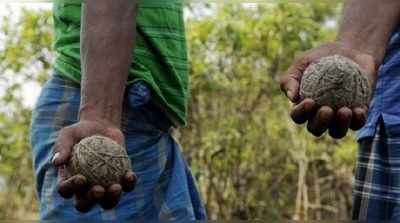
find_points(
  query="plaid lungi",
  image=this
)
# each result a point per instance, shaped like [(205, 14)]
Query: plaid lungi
[(165, 190), (377, 181)]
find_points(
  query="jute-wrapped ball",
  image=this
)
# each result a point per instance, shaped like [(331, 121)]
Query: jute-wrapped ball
[(336, 81), (101, 160)]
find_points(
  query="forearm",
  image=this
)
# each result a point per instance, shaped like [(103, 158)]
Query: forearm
[(368, 24), (107, 41)]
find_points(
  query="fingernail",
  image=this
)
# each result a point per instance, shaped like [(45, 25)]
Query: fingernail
[(290, 95), (130, 177), (55, 157)]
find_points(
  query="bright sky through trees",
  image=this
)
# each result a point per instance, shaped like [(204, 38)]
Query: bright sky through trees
[(30, 90)]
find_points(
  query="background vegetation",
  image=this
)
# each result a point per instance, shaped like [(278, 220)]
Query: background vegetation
[(250, 160)]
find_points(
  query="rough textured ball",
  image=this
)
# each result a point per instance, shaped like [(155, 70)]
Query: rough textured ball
[(101, 160), (336, 81)]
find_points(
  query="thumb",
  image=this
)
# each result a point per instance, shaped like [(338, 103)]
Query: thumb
[(290, 82), (290, 85), (63, 147), (292, 91)]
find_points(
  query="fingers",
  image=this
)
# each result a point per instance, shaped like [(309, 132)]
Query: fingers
[(67, 188), (85, 197), (290, 86), (97, 193), (111, 197), (341, 123), (302, 112), (83, 203), (86, 201), (290, 82), (359, 118), (113, 194), (324, 118), (128, 182), (107, 199), (321, 122), (63, 146)]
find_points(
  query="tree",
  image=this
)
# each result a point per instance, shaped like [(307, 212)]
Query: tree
[(24, 57), (250, 160)]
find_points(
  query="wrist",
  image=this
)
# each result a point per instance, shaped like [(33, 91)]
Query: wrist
[(109, 115), (375, 51), (360, 55)]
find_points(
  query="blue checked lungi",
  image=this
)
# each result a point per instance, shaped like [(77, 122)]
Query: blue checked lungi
[(165, 190), (377, 180)]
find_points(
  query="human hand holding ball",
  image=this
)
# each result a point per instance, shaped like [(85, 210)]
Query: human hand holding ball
[(93, 167), (330, 87)]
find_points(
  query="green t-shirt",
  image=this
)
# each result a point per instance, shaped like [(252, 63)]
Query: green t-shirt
[(160, 56)]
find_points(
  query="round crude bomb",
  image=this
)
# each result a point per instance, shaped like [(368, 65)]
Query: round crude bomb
[(337, 82), (101, 160)]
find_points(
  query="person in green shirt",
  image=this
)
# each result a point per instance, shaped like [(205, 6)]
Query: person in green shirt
[(121, 72)]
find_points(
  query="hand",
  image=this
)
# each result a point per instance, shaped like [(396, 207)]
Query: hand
[(86, 196), (321, 119)]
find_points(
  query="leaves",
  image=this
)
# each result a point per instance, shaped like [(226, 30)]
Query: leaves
[(250, 160), (25, 57)]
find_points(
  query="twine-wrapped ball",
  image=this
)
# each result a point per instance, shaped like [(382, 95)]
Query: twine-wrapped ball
[(337, 82), (100, 159)]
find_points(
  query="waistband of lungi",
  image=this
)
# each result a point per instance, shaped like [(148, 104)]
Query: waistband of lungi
[(138, 96)]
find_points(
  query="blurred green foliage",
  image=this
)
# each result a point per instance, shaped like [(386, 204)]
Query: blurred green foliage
[(24, 58), (250, 160)]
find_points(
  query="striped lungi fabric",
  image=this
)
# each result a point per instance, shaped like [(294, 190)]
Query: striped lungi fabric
[(166, 189)]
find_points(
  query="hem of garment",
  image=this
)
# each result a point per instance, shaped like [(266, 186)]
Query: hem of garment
[(369, 131)]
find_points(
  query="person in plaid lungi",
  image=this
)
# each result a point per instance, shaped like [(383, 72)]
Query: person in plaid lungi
[(369, 35)]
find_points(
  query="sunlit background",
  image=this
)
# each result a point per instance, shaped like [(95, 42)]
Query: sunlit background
[(250, 160), (13, 11)]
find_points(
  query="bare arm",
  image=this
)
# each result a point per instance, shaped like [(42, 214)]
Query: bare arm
[(107, 41), (368, 24)]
